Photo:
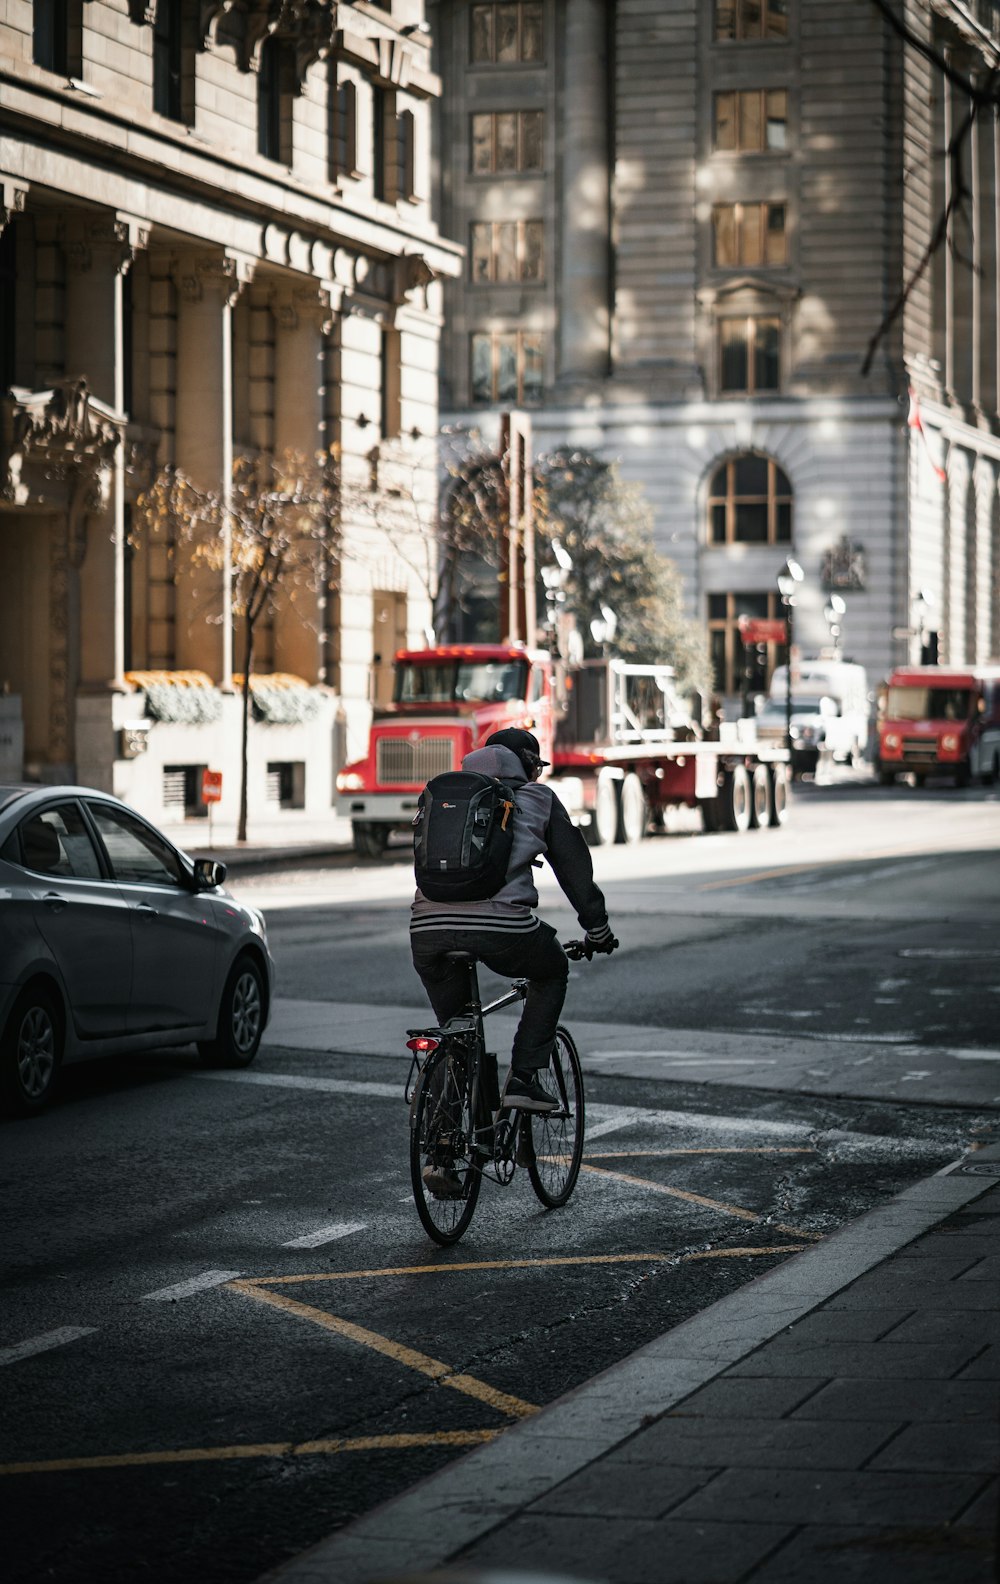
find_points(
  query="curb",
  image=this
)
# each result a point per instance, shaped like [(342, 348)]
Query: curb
[(426, 1525)]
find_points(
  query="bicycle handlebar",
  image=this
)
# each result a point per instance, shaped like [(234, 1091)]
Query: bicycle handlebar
[(577, 949)]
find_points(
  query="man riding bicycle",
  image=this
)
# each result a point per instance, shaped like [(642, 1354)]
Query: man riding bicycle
[(502, 931)]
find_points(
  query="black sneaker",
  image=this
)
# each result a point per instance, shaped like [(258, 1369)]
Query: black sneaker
[(442, 1183), (523, 1092)]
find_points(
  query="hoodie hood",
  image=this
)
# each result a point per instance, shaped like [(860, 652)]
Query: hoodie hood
[(496, 761)]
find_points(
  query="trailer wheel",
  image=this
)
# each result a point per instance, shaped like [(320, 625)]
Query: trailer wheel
[(370, 838), (762, 798), (634, 812), (607, 810), (779, 794), (737, 806)]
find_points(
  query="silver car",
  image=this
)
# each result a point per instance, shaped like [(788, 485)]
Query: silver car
[(111, 939)]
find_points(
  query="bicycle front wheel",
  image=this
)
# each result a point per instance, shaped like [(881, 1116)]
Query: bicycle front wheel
[(444, 1170), (557, 1136)]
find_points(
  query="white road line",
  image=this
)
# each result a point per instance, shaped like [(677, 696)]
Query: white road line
[(327, 1234), (297, 1081), (212, 1278), (679, 1059), (42, 1344)]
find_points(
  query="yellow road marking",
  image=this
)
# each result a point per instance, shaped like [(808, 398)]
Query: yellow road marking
[(264, 1449), (698, 1199), (776, 1149), (515, 1407), (463, 1265)]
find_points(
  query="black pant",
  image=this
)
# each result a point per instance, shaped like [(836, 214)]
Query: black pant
[(536, 956)]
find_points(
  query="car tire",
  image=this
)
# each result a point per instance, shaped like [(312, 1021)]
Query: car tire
[(242, 1012), (31, 1049), (370, 838)]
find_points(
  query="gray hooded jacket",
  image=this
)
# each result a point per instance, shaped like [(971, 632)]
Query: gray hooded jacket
[(542, 829)]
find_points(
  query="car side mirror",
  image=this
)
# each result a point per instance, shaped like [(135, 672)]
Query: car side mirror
[(208, 873)]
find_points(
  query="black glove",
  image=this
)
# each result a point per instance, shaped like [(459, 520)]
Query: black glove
[(600, 940)]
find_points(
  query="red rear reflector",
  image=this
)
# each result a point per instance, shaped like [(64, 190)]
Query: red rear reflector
[(422, 1045)]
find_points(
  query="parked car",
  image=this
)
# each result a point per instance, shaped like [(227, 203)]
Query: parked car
[(112, 939), (816, 730)]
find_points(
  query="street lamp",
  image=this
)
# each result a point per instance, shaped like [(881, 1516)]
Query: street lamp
[(554, 578), (604, 627), (833, 610), (788, 580), (921, 620)]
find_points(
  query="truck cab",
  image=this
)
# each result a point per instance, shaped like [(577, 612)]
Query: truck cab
[(447, 700), (940, 720)]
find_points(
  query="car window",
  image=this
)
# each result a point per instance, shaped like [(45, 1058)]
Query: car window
[(11, 849), (137, 853), (56, 842)]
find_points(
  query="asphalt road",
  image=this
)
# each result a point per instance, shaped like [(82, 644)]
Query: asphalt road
[(223, 1330)]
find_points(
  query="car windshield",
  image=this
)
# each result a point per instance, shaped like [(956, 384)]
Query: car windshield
[(460, 681), (800, 706), (929, 703)]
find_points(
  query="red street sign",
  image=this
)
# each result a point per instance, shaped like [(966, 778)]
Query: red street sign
[(211, 786), (762, 629)]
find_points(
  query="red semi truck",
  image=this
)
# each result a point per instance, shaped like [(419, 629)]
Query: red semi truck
[(940, 720), (623, 745)]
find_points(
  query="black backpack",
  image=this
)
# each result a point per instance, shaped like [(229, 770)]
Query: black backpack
[(463, 833)]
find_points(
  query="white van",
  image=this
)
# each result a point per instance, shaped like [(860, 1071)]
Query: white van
[(836, 692)]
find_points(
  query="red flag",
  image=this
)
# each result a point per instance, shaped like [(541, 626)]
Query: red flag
[(914, 421)]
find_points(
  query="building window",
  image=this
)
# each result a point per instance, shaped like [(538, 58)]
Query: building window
[(56, 36), (751, 19), (749, 355), (749, 502), (507, 140), (404, 155), (751, 121), (735, 667), (380, 113), (504, 34), (343, 110), (507, 366), (506, 250), (173, 61), (275, 91), (750, 234)]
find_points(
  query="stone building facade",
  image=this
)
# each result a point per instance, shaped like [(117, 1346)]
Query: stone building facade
[(217, 242), (685, 222)]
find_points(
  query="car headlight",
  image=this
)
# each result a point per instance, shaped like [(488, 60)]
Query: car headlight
[(891, 740), (950, 743), (349, 781)]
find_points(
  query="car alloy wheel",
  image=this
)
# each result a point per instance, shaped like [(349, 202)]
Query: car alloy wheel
[(247, 1010), (36, 1052)]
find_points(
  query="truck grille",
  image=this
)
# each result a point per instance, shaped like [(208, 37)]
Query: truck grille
[(920, 748), (399, 762)]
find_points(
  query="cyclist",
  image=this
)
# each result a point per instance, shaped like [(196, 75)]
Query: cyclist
[(502, 931)]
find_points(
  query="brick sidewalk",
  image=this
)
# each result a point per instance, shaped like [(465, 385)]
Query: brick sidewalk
[(837, 1419)]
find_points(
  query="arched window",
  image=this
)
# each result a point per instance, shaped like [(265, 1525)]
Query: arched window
[(343, 127), (749, 502)]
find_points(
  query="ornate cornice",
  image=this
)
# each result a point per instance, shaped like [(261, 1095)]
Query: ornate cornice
[(67, 434)]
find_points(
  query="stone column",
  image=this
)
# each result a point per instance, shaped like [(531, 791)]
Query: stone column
[(301, 315), (203, 447), (99, 251), (584, 317)]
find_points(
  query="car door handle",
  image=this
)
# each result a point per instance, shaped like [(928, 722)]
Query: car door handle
[(145, 911), (54, 902)]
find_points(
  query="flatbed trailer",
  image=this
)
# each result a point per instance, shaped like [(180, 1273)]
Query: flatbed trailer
[(623, 746)]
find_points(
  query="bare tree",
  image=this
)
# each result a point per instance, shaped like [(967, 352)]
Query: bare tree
[(980, 90), (277, 529)]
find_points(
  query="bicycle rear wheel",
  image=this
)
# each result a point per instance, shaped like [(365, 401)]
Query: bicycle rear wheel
[(557, 1136), (441, 1131)]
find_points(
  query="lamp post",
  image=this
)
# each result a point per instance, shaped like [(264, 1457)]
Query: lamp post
[(603, 628), (554, 577), (921, 620), (788, 580), (833, 610)]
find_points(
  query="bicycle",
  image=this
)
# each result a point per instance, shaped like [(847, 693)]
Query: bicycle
[(458, 1127)]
